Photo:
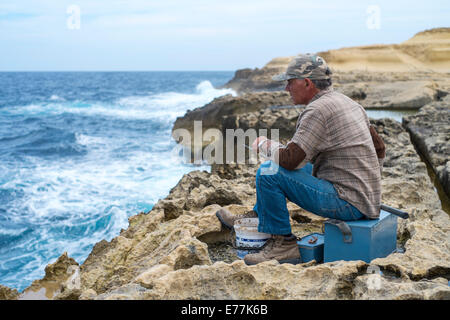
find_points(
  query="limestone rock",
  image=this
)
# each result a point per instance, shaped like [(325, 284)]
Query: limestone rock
[(392, 94), (8, 293), (406, 185), (271, 115), (281, 119), (174, 243), (377, 287), (428, 244), (212, 113), (89, 294), (430, 132), (130, 291), (147, 278), (444, 176), (246, 80), (55, 280), (268, 280), (426, 51), (173, 258)]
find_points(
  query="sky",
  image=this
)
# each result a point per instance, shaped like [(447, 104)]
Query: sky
[(145, 35)]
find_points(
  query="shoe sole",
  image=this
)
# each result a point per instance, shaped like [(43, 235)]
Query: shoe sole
[(291, 261), (223, 222)]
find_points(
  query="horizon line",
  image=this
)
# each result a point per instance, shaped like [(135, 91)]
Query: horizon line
[(118, 70)]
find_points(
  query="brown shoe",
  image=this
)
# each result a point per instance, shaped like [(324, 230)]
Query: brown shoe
[(281, 248), (227, 218)]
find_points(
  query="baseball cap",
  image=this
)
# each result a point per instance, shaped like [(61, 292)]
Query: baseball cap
[(304, 66)]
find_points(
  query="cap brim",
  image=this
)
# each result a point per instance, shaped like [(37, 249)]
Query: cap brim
[(281, 77)]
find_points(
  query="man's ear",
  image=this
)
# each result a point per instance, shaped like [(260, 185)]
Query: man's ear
[(307, 82)]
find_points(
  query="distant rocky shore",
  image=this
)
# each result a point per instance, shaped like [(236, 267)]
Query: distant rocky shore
[(179, 250)]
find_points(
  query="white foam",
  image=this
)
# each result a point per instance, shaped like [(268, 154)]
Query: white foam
[(54, 97), (91, 186), (86, 140), (12, 232), (170, 105), (112, 181)]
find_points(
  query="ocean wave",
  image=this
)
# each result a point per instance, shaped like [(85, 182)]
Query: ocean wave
[(86, 140), (71, 202), (170, 105), (12, 232), (163, 106), (46, 141)]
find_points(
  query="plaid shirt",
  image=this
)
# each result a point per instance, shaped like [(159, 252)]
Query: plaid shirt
[(333, 131)]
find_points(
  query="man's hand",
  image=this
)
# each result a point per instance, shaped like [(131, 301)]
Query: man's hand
[(256, 142)]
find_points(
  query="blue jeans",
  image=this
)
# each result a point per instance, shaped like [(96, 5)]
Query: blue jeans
[(274, 184)]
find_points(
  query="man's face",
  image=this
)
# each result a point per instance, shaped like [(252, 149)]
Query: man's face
[(299, 90)]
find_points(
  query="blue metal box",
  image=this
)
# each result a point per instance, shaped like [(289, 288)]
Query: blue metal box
[(311, 247), (369, 239)]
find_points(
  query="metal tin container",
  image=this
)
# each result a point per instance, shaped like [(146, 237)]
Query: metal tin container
[(311, 247)]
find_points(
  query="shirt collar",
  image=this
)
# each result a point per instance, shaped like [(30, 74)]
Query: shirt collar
[(321, 93)]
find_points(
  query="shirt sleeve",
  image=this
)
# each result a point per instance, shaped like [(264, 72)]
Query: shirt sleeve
[(289, 157), (311, 134)]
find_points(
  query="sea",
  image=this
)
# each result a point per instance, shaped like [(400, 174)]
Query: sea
[(81, 152)]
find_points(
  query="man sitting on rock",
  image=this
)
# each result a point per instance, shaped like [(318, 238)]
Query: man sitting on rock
[(331, 166)]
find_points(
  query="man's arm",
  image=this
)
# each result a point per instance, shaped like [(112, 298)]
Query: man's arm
[(309, 139), (288, 157), (291, 156)]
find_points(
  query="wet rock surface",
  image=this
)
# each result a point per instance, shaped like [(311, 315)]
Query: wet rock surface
[(61, 279), (8, 293)]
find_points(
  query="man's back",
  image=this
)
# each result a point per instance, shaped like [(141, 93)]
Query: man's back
[(334, 132)]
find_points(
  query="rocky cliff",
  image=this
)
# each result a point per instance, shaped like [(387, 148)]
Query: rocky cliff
[(406, 75), (427, 51)]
